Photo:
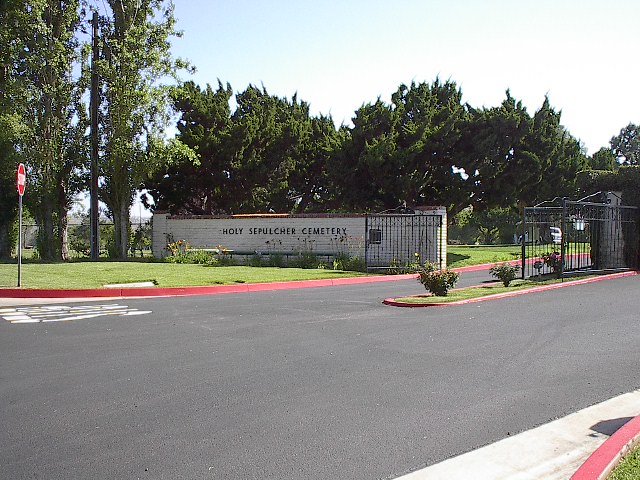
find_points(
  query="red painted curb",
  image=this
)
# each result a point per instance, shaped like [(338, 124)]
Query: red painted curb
[(394, 303), (189, 291), (601, 462)]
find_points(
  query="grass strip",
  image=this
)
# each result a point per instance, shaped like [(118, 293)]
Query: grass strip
[(629, 468), (81, 275), (468, 255), (457, 295)]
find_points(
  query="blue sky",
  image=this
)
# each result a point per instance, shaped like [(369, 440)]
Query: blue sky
[(338, 55)]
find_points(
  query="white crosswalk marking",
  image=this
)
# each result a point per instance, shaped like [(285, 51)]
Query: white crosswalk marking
[(63, 313)]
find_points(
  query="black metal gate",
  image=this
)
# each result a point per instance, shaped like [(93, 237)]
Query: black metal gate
[(398, 240), (570, 237)]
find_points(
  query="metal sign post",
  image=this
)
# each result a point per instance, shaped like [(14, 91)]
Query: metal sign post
[(21, 180)]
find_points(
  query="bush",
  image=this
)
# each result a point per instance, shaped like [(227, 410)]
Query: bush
[(357, 264), (438, 282), (180, 253), (553, 260), (344, 262), (255, 260), (305, 260), (276, 260), (505, 272)]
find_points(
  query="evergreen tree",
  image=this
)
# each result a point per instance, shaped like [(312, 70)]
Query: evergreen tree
[(603, 159), (200, 186), (404, 154), (626, 145)]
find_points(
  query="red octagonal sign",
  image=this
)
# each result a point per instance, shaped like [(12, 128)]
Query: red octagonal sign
[(21, 179)]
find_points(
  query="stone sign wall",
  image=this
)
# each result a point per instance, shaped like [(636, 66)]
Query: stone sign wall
[(322, 234), (262, 233)]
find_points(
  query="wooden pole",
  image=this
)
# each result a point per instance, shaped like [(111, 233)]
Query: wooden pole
[(95, 101)]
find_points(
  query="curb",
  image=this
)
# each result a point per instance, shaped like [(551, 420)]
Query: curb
[(394, 303), (190, 291), (602, 462), (214, 289)]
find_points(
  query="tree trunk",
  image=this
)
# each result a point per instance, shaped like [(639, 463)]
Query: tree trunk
[(63, 216), (6, 246), (46, 237), (63, 227), (121, 230)]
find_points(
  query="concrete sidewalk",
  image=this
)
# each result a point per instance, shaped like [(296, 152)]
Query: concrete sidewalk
[(553, 451)]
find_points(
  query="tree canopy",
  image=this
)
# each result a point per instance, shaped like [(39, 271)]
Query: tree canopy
[(268, 153), (134, 104), (626, 145), (426, 147)]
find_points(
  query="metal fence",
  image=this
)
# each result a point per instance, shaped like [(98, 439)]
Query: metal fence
[(571, 237), (398, 240), (79, 237)]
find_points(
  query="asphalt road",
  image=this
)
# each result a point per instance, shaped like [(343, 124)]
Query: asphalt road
[(317, 384)]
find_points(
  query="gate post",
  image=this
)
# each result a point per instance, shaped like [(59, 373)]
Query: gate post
[(441, 245), (523, 242), (366, 243), (563, 236)]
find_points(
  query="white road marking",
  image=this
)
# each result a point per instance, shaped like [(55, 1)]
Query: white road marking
[(63, 313)]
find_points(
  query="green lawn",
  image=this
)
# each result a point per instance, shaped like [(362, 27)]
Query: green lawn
[(629, 469), (76, 275), (85, 274), (467, 255)]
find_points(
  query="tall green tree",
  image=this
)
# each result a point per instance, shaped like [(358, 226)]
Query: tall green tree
[(603, 159), (363, 174), (309, 183), (492, 156), (268, 140), (513, 158), (136, 59), (432, 117), (45, 97), (404, 153), (199, 187), (270, 155), (558, 153), (11, 133), (54, 115), (626, 145), (14, 20)]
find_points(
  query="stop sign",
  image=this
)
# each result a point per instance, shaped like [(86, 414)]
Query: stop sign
[(21, 179)]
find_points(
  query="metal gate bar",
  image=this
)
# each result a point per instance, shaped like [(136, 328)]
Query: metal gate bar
[(579, 236), (398, 240)]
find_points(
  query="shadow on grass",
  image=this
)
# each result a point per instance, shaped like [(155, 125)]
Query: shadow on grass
[(456, 257)]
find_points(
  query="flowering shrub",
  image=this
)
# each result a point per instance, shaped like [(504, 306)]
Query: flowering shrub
[(181, 252), (505, 272), (553, 260), (178, 247), (178, 251), (437, 282)]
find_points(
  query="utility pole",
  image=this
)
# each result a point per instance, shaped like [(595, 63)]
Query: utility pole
[(95, 101)]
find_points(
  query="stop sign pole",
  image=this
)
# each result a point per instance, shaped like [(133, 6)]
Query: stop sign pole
[(21, 180)]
